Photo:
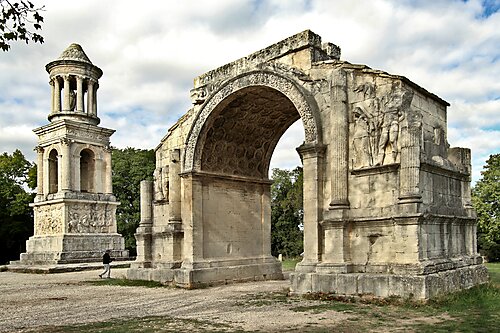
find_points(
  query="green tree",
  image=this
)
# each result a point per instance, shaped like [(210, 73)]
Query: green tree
[(486, 201), (16, 217), (287, 213), (130, 167), (18, 21)]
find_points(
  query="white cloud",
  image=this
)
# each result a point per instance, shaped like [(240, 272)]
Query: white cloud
[(150, 53)]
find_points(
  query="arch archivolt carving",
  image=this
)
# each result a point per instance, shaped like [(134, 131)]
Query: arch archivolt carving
[(306, 107)]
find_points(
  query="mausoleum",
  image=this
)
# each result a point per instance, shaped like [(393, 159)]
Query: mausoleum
[(74, 208)]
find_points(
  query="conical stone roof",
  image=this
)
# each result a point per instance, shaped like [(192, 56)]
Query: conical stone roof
[(76, 53)]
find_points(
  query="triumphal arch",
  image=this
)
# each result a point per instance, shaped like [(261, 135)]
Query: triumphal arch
[(387, 208)]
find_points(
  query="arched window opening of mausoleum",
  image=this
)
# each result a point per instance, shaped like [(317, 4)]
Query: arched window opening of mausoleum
[(87, 167), (53, 171)]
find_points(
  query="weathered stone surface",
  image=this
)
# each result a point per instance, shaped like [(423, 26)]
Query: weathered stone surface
[(74, 209), (386, 201)]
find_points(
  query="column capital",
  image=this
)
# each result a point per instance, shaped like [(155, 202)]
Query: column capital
[(65, 142), (39, 149), (308, 150)]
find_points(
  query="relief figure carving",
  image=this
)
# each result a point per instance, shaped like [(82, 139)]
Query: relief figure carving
[(377, 125), (158, 184), (361, 140)]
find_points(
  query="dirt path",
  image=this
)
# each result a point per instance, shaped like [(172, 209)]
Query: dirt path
[(36, 300)]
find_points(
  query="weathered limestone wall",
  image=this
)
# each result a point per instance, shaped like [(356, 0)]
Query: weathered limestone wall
[(234, 225)]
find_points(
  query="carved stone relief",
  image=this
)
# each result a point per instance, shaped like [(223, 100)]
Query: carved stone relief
[(271, 80), (377, 123), (161, 183), (89, 218), (48, 219)]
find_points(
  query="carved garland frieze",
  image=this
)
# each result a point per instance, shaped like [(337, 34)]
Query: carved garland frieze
[(87, 135), (283, 85)]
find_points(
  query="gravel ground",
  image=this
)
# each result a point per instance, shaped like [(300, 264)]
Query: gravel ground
[(35, 300)]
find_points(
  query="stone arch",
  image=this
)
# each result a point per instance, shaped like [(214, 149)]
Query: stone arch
[(87, 170), (53, 160), (277, 85)]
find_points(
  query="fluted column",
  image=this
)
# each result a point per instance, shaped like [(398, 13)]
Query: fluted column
[(66, 165), (79, 94), (339, 145), (175, 186), (67, 98), (409, 175), (57, 95)]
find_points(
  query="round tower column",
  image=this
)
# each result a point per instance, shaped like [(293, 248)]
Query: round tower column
[(66, 101), (57, 95), (79, 94)]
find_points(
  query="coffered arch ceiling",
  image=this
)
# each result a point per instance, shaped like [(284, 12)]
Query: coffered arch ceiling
[(241, 133)]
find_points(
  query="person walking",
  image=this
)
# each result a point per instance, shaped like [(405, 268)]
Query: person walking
[(106, 261)]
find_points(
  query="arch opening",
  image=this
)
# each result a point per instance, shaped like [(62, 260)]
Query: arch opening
[(242, 132), (236, 145), (53, 171), (87, 169)]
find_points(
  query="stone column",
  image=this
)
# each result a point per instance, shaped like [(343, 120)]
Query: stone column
[(66, 101), (146, 203), (79, 94), (57, 94), (66, 165), (90, 96), (175, 186), (53, 96), (339, 147), (94, 100), (39, 171), (312, 158), (143, 235)]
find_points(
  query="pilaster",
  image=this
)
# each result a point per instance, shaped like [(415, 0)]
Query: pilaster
[(312, 158)]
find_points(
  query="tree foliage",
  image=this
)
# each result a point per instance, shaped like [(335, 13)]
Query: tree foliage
[(18, 21), (16, 217), (287, 213), (130, 167), (486, 201)]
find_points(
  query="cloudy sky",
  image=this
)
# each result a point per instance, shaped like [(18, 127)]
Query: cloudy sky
[(151, 51)]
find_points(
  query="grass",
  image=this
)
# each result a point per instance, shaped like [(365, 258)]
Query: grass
[(143, 325), (290, 263), (127, 283), (473, 310)]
